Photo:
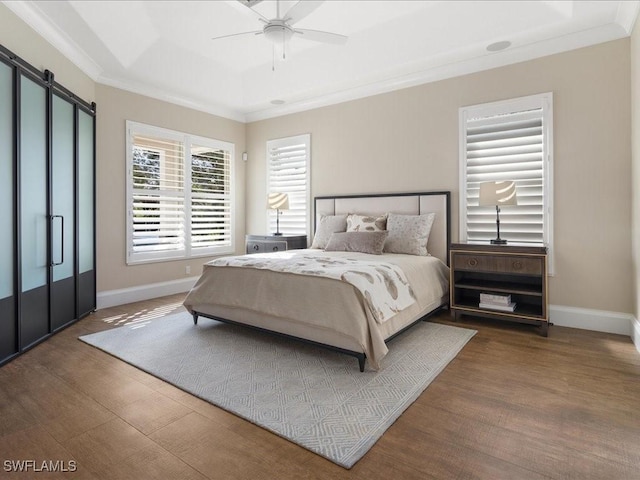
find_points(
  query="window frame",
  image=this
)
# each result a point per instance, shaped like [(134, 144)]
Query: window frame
[(284, 142), (187, 140), (520, 104)]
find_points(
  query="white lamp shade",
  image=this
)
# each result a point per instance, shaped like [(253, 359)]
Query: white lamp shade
[(498, 193), (278, 201)]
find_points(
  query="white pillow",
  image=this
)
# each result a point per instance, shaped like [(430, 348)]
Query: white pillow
[(408, 233), (327, 225)]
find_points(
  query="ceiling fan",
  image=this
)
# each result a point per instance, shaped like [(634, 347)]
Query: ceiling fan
[(281, 28)]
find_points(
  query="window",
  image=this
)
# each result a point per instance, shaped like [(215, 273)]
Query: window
[(288, 161), (179, 195), (508, 140)]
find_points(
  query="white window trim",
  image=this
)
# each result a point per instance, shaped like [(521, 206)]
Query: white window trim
[(136, 258), (286, 141), (544, 100)]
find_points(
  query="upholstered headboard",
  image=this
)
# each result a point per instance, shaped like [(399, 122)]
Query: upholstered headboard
[(404, 203)]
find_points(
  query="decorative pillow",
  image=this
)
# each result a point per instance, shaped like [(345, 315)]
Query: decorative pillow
[(364, 223), (327, 225), (408, 233), (364, 242)]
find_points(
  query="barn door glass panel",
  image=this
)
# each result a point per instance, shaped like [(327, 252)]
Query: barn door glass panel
[(33, 212), (62, 214), (86, 258), (8, 329)]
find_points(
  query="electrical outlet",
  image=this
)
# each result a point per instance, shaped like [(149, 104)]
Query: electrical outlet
[(187, 270)]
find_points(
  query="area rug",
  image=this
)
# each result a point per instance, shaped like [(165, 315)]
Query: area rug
[(313, 397)]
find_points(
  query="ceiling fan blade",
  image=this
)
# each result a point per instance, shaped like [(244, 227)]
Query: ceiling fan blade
[(301, 10), (319, 36), (255, 32), (244, 6), (250, 3)]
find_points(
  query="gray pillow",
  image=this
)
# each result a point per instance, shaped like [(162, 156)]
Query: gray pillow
[(327, 225), (364, 242), (408, 233)]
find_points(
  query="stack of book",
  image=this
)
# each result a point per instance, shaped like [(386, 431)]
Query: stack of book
[(496, 301)]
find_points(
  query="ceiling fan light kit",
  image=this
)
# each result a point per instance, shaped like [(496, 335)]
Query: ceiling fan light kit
[(277, 31)]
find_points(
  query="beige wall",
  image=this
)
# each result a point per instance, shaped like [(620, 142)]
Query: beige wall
[(408, 141), (18, 37), (115, 106), (635, 148)]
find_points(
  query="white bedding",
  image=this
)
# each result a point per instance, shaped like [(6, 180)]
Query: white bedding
[(383, 285), (317, 308)]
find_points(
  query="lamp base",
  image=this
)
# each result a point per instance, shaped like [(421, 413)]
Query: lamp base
[(498, 241), (277, 234)]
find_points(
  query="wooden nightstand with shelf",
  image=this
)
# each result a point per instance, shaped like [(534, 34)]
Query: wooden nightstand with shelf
[(274, 243), (516, 272)]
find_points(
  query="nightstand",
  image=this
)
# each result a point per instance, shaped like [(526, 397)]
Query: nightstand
[(512, 277), (274, 243)]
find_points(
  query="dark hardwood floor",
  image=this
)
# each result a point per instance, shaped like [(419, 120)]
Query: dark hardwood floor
[(512, 405)]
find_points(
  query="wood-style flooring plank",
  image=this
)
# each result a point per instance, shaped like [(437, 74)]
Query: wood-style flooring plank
[(511, 405)]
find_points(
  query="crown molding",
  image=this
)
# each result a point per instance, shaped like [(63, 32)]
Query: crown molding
[(430, 71), (448, 67), (169, 97), (627, 15), (32, 16)]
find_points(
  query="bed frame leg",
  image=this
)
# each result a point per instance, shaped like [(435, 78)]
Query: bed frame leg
[(361, 359), (195, 318)]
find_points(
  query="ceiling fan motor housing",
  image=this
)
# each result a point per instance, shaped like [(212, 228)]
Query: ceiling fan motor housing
[(277, 31)]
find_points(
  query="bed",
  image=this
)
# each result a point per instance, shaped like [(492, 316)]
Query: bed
[(326, 311)]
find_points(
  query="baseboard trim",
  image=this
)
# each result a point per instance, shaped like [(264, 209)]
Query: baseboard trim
[(113, 298), (574, 317), (635, 333), (589, 319)]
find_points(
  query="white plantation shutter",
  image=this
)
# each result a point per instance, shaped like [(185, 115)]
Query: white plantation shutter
[(507, 147), (157, 197), (179, 204), (288, 161), (211, 201), (510, 140)]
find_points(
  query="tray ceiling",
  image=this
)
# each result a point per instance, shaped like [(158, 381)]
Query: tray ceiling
[(164, 49)]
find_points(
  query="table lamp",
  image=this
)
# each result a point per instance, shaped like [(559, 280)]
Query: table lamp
[(278, 201), (498, 194)]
